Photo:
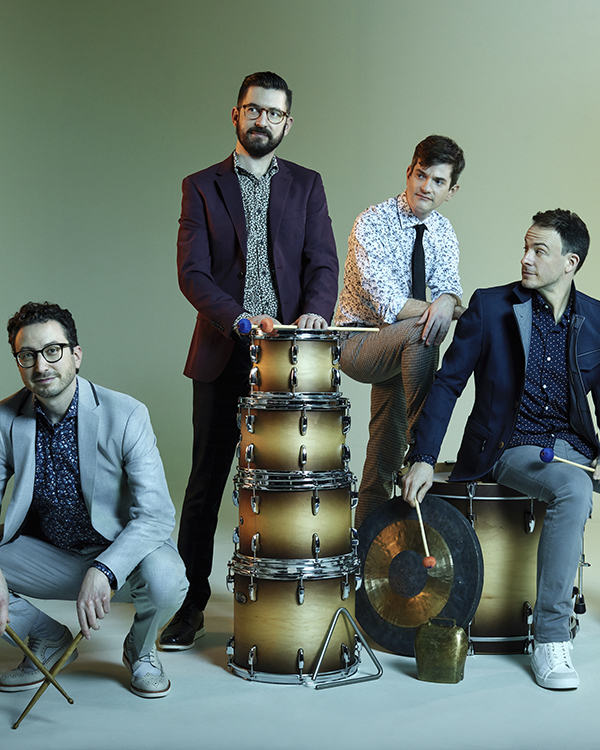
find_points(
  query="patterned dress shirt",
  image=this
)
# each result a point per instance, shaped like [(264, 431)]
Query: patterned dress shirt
[(543, 413), (260, 288), (58, 509), (378, 272)]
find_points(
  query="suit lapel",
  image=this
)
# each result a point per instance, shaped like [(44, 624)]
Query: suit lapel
[(24, 433), (87, 439), (280, 188), (228, 185)]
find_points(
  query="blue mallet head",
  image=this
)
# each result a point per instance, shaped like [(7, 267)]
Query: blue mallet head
[(244, 326), (546, 454)]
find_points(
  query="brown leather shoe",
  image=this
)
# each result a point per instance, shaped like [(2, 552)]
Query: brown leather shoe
[(184, 628)]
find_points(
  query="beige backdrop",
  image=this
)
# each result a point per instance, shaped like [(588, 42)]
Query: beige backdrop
[(107, 104)]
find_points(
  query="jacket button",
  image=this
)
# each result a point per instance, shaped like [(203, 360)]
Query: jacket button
[(501, 445), (241, 275)]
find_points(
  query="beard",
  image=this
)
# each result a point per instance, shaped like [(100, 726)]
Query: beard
[(258, 148)]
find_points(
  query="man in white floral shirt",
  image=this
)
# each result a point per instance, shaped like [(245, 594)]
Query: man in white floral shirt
[(379, 290)]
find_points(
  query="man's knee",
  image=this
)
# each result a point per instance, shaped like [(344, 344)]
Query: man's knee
[(161, 575)]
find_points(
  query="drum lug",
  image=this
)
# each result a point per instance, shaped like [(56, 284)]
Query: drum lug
[(236, 498), (316, 546), (358, 579), (238, 421), (529, 523), (230, 580), (335, 354), (254, 376), (230, 650), (250, 420), (255, 504), (303, 455), (303, 423), (300, 661), (251, 657), (345, 657), (336, 377), (345, 455), (345, 585), (301, 591), (346, 422), (527, 613), (354, 539), (294, 354), (353, 499), (236, 535), (294, 378), (254, 353), (252, 590), (316, 503), (255, 543), (249, 454), (238, 449)]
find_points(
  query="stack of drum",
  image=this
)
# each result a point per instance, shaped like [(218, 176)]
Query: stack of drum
[(295, 560)]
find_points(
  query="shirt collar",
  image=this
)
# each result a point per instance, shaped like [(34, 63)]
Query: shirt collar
[(540, 306), (239, 170), (71, 411)]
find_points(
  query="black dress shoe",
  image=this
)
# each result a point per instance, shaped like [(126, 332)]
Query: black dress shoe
[(182, 631)]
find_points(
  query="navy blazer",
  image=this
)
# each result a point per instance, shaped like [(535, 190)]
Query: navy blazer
[(492, 341), (211, 255)]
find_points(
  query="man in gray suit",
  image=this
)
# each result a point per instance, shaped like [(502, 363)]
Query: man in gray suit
[(90, 506)]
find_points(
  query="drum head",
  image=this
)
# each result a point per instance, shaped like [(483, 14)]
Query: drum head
[(398, 593)]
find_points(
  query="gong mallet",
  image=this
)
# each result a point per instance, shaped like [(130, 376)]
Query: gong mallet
[(547, 455), (428, 560), (33, 658), (55, 670)]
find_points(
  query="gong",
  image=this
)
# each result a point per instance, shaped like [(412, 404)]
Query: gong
[(398, 593)]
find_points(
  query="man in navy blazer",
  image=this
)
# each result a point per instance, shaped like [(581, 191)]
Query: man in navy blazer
[(534, 350), (90, 507), (255, 241)]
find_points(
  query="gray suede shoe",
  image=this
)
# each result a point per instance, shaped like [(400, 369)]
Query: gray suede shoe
[(25, 676), (148, 679)]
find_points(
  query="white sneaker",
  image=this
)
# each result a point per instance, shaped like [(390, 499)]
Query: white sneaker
[(552, 666)]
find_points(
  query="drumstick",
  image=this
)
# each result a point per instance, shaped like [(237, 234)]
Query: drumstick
[(55, 670), (547, 455), (428, 560), (33, 658)]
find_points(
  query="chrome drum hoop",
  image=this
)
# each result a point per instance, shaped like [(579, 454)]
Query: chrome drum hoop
[(300, 481), (301, 334), (271, 402), (293, 569), (292, 679)]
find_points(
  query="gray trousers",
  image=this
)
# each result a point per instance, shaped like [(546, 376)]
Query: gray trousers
[(34, 568), (567, 491), (401, 369)]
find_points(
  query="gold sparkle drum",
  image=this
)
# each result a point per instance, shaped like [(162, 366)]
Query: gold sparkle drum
[(508, 527), (282, 611), (284, 516), (295, 362), (293, 434)]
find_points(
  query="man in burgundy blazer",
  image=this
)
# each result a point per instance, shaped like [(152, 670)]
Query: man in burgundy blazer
[(225, 277)]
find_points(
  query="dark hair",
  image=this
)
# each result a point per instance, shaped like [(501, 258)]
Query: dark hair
[(41, 312), (266, 80), (573, 232), (437, 149)]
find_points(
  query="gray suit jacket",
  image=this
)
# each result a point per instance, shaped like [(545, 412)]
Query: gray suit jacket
[(122, 476)]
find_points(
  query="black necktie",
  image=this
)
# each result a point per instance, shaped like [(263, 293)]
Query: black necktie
[(418, 264)]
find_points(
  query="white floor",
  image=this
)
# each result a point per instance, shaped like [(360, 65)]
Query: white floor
[(497, 705)]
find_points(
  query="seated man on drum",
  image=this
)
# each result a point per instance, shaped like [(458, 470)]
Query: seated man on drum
[(534, 350), (90, 507), (396, 249)]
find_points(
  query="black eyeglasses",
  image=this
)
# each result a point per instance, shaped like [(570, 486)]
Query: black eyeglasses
[(274, 116), (51, 353)]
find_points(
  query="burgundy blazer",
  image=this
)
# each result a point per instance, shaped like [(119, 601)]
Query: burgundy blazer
[(211, 255)]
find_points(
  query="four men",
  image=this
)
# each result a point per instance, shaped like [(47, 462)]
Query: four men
[(395, 250), (90, 507)]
